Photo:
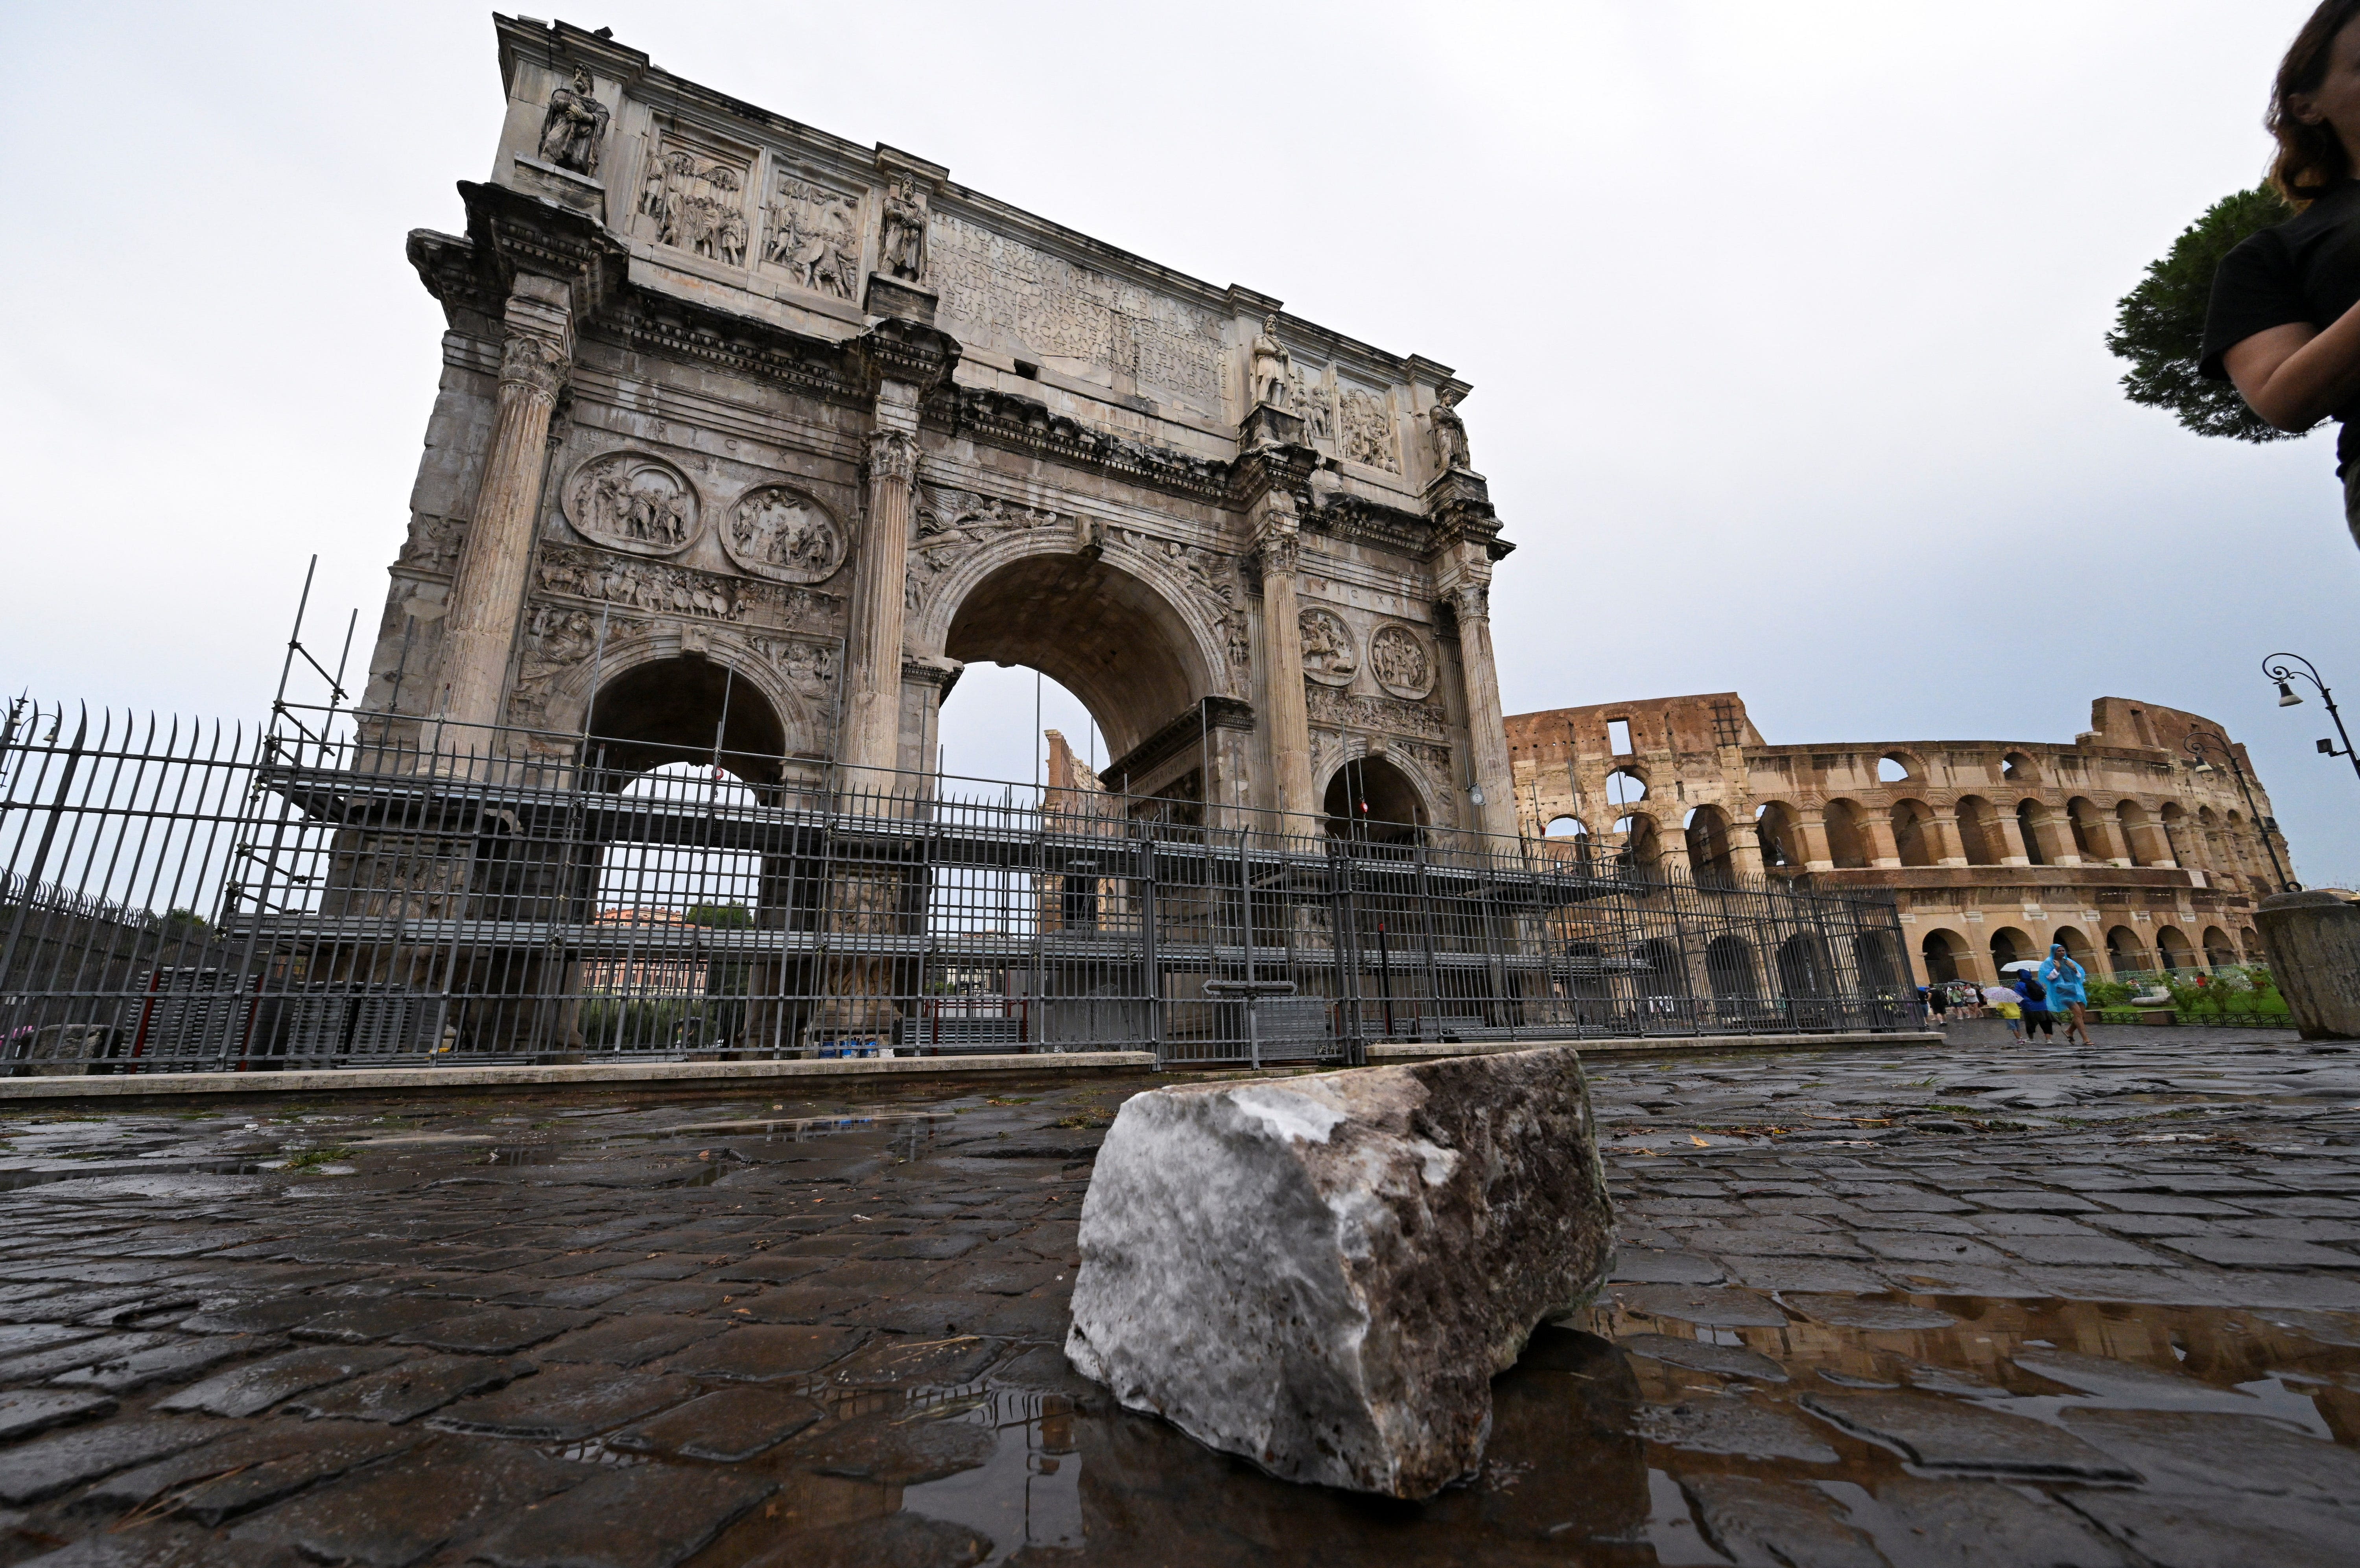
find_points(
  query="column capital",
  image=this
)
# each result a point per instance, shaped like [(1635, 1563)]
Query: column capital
[(893, 456), (533, 364)]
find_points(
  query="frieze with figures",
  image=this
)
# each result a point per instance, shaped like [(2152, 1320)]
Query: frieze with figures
[(695, 200), (781, 533), (1348, 710), (633, 502), (1368, 431), (662, 588), (814, 235), (1213, 576)]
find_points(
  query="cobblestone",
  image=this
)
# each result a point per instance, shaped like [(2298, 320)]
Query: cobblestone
[(1964, 1304)]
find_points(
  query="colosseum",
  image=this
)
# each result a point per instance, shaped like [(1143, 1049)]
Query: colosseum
[(2122, 840)]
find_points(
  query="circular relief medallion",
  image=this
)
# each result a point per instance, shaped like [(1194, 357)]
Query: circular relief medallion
[(633, 502), (1329, 655), (1399, 662), (783, 534)]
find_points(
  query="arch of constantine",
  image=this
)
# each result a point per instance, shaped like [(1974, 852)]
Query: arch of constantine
[(750, 437), (2118, 844)]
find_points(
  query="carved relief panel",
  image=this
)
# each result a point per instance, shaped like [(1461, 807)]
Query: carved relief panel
[(781, 533), (692, 196), (634, 502), (1330, 654), (1398, 658), (1366, 420), (814, 233), (1313, 398)]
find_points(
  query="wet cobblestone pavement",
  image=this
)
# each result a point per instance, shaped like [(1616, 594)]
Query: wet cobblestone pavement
[(1967, 1305)]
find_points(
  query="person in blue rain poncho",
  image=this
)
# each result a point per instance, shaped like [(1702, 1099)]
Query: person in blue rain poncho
[(2068, 992)]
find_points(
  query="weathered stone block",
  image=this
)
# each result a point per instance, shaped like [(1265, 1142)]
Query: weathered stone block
[(2315, 947), (1323, 1274)]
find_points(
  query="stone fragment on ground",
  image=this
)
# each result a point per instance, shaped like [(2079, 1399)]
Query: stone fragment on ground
[(1323, 1274)]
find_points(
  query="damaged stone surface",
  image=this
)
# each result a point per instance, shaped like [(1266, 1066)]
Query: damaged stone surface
[(1324, 1274)]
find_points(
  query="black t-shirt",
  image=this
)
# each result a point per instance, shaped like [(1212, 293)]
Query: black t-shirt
[(2305, 269)]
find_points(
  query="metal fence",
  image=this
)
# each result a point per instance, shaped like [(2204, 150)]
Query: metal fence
[(185, 897)]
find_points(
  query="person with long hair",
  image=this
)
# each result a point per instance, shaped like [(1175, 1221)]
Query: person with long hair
[(2284, 323)]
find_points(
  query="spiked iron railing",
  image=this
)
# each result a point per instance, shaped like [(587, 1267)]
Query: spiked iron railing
[(352, 891)]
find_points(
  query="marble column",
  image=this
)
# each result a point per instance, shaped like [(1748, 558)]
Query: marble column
[(1279, 546), (1487, 730), (488, 590), (872, 719)]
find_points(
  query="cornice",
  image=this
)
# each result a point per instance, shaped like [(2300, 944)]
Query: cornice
[(1026, 425)]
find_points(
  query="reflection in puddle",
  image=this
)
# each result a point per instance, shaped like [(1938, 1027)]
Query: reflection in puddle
[(1028, 1493)]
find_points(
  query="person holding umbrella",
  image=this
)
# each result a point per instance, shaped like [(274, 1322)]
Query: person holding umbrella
[(2008, 1006), (2067, 984), (2033, 998)]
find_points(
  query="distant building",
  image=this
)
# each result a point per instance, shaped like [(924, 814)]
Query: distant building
[(2116, 845)]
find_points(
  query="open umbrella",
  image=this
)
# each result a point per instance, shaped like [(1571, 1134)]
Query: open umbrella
[(2029, 965)]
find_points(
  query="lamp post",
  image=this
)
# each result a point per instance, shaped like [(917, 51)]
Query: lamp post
[(2281, 668), (2197, 745)]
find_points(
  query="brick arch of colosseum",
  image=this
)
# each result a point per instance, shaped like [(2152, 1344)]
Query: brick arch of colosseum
[(2114, 831)]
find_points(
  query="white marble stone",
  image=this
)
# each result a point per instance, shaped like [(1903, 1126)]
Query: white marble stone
[(1323, 1274)]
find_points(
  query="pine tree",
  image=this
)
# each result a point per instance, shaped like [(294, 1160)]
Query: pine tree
[(2160, 327)]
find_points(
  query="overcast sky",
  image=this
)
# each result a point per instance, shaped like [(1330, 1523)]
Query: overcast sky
[(1785, 322)]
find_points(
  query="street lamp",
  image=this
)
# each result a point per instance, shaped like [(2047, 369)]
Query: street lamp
[(2197, 745), (2281, 668)]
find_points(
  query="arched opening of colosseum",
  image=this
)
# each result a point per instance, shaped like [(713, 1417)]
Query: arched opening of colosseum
[(695, 710), (1709, 845), (1941, 951), (1978, 831), (2125, 954), (2176, 832), (1370, 801), (1730, 969), (2136, 829), (1803, 967), (1899, 767), (1565, 838), (1665, 973), (1111, 639), (2218, 949), (2016, 768), (2089, 840), (1773, 829), (2077, 947), (2033, 825), (2173, 949), (1913, 833), (2009, 945), (1875, 961), (1847, 841), (1626, 786), (1641, 845)]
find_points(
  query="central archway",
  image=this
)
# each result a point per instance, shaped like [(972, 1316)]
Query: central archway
[(1111, 638)]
